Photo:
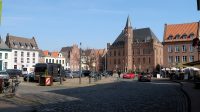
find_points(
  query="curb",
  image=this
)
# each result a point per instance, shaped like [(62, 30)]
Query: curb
[(186, 94)]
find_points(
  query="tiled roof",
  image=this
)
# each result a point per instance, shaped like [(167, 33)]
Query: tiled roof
[(15, 42), (181, 29)]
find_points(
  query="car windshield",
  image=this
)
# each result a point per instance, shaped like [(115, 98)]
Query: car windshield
[(3, 73)]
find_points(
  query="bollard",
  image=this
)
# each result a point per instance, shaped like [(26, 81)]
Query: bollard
[(89, 80)]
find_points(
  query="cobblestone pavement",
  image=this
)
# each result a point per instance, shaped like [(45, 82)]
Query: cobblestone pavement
[(119, 96)]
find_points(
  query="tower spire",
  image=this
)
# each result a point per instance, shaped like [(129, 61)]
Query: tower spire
[(128, 22)]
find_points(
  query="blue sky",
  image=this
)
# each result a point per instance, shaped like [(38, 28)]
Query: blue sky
[(58, 23)]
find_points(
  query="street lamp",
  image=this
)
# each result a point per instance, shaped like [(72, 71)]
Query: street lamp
[(80, 66)]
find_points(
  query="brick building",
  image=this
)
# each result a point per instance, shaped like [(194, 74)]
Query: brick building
[(134, 49), (177, 41), (72, 56)]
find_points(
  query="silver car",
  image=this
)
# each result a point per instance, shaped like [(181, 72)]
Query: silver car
[(4, 75)]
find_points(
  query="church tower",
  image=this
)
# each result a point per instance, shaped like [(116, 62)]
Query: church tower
[(128, 48)]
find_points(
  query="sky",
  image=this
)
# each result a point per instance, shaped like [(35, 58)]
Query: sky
[(94, 23)]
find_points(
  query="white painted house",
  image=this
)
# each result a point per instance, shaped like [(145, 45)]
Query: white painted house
[(54, 57), (25, 53), (5, 56)]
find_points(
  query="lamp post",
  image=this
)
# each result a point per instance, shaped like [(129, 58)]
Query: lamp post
[(80, 66)]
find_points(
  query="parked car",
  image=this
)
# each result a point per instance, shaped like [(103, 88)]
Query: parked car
[(144, 77), (128, 76), (30, 77), (68, 74), (4, 75), (14, 73)]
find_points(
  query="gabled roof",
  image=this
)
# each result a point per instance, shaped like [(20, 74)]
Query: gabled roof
[(139, 35), (181, 29), (66, 49), (15, 42), (3, 46)]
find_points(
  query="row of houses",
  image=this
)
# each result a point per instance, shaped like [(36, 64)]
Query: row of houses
[(140, 49), (23, 53), (133, 49)]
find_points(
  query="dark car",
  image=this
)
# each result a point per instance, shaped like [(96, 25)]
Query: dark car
[(29, 77), (110, 73), (94, 74), (144, 77), (14, 73)]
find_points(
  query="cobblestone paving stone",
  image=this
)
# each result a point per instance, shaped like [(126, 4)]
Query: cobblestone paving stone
[(120, 96), (128, 96)]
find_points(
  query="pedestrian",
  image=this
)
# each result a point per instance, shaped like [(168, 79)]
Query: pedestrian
[(119, 73)]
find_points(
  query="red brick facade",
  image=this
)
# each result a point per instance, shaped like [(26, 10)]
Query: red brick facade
[(178, 48), (134, 49)]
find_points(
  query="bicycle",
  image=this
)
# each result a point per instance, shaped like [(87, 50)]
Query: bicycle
[(10, 88)]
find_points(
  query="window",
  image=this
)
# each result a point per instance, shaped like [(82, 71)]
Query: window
[(184, 59), (22, 54), (139, 60), (0, 55), (184, 36), (191, 48), (110, 53), (169, 48), (33, 60), (49, 60), (177, 37), (59, 61), (170, 59), (6, 55), (15, 60), (170, 37), (15, 66), (46, 60), (63, 61), (114, 53), (33, 54), (5, 65), (119, 61), (52, 60), (119, 53), (177, 59), (149, 60), (177, 48), (191, 36), (28, 60), (191, 58), (15, 53), (22, 60), (28, 54), (184, 48), (56, 61), (144, 60)]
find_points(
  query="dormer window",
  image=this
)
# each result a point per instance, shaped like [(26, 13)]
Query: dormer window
[(177, 37), (191, 36), (170, 37), (184, 36)]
